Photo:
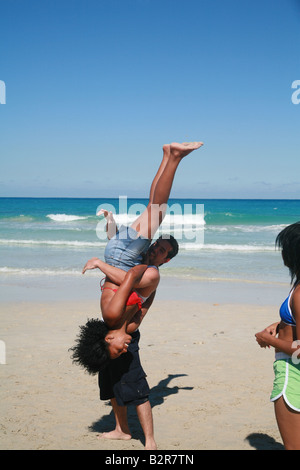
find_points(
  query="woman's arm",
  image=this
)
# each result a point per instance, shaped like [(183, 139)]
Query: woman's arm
[(116, 275), (150, 277), (265, 339)]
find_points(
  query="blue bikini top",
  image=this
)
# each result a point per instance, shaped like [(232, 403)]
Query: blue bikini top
[(286, 312)]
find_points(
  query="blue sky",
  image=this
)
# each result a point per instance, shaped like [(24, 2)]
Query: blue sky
[(94, 88)]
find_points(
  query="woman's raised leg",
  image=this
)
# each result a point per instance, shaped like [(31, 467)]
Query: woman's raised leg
[(149, 221)]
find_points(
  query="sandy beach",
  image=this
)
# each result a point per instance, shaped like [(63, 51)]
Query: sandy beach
[(113, 116), (209, 380)]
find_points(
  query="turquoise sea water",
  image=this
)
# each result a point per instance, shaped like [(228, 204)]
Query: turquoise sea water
[(219, 239)]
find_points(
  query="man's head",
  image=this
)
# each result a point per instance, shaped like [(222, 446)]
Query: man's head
[(162, 250)]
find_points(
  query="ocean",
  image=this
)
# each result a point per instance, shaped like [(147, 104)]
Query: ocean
[(48, 240)]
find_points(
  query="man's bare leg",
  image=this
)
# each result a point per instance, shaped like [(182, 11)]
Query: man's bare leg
[(149, 221), (121, 430), (145, 416)]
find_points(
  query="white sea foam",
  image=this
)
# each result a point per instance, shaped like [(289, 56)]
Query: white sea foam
[(70, 243), (191, 246), (225, 247), (20, 271), (246, 228), (260, 228), (244, 248), (65, 217), (169, 219), (184, 245)]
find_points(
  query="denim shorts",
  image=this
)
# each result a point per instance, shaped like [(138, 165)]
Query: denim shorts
[(126, 249)]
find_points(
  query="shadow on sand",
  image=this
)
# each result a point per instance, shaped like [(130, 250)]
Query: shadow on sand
[(258, 441), (262, 441), (157, 397)]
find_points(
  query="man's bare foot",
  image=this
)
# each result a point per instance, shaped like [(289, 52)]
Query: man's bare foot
[(150, 445), (181, 150), (115, 434)]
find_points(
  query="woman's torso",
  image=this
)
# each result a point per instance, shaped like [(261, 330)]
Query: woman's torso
[(287, 332)]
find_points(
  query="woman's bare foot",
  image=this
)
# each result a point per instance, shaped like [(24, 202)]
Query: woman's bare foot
[(166, 150), (115, 434), (108, 215), (181, 150), (111, 226)]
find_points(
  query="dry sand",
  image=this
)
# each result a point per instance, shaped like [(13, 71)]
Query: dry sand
[(210, 382)]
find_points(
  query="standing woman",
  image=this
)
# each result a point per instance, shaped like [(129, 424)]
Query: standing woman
[(284, 336)]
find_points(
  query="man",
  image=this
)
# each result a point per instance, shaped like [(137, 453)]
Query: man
[(123, 382)]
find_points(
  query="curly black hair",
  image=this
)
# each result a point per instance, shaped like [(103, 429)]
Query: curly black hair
[(289, 242), (90, 350)]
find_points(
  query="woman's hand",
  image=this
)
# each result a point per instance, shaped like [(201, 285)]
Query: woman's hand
[(262, 338), (91, 264)]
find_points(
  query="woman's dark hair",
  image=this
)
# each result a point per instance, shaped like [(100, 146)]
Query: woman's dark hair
[(90, 350), (289, 242), (173, 242)]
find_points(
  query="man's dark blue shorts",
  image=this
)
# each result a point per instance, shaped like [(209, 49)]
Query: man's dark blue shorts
[(124, 378)]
